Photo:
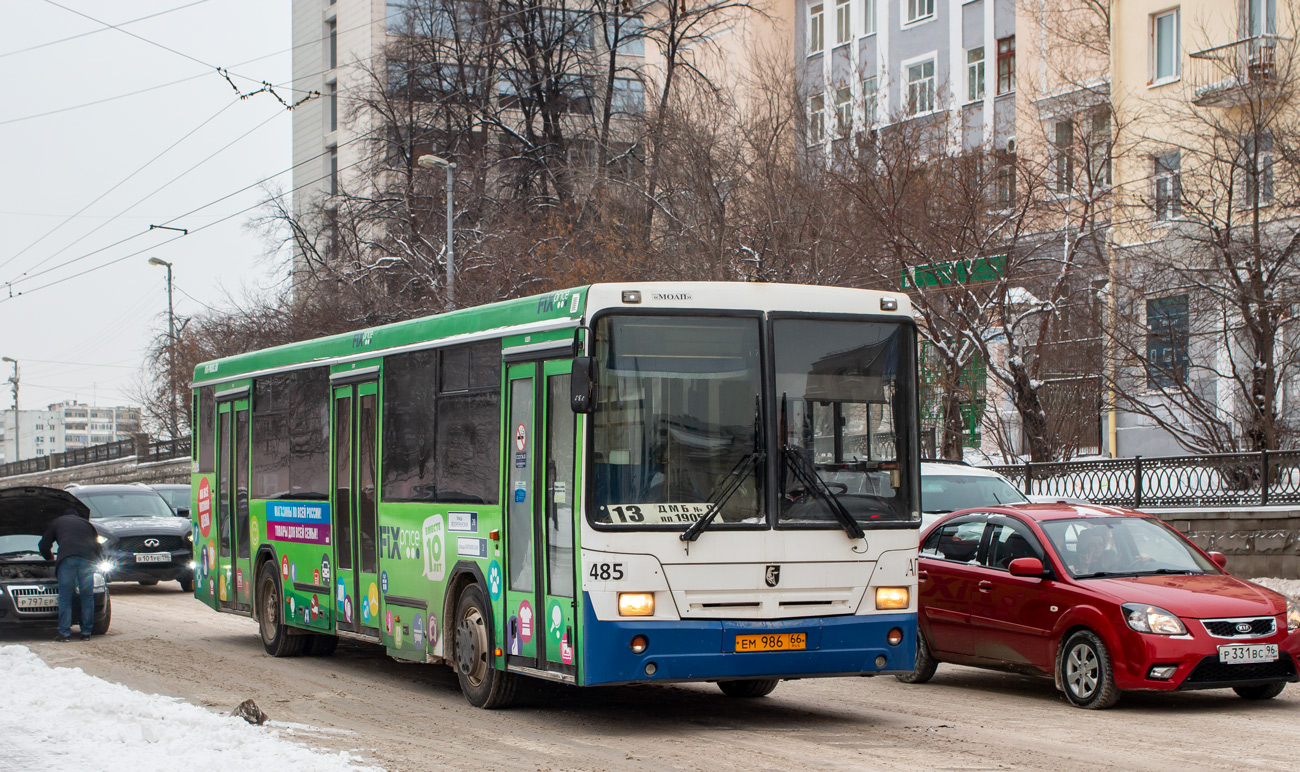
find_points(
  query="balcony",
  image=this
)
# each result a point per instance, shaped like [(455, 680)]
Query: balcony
[(1232, 74)]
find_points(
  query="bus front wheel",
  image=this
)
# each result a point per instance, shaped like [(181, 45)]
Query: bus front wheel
[(748, 689), (276, 637), (472, 652)]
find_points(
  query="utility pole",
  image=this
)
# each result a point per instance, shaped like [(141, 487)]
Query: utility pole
[(430, 162), (171, 350), (14, 381)]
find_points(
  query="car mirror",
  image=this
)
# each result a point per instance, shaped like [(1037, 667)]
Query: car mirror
[(183, 512), (1220, 559), (582, 385), (1026, 567)]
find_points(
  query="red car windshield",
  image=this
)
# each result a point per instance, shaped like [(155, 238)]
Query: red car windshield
[(1094, 547)]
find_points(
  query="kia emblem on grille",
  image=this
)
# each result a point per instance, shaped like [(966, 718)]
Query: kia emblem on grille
[(151, 542), (1243, 627), (772, 576)]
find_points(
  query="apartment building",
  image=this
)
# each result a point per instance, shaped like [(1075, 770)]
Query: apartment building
[(62, 427), (1203, 94), (873, 62)]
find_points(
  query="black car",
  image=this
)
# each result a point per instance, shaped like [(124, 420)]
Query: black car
[(29, 588), (144, 541), (177, 495)]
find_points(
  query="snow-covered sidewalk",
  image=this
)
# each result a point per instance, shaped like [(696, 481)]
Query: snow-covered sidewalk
[(1288, 587), (63, 719)]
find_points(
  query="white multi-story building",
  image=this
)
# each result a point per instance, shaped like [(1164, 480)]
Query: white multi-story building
[(62, 427)]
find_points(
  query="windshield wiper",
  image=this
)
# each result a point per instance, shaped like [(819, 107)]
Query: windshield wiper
[(813, 482), (725, 489)]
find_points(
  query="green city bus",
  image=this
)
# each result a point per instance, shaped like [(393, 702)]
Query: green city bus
[(611, 484)]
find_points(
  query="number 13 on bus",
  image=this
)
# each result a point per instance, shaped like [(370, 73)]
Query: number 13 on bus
[(606, 485)]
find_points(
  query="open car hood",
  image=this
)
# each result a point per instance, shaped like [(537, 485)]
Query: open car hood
[(30, 509)]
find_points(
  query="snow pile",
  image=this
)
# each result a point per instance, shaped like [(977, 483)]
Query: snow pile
[(1288, 587), (60, 718)]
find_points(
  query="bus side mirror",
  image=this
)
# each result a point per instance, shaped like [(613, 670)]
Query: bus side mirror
[(183, 512), (582, 385)]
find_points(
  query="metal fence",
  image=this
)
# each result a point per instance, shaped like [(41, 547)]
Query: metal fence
[(143, 451), (1225, 479)]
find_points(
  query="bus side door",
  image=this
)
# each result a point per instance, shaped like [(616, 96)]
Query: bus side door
[(234, 563), (354, 503), (539, 613)]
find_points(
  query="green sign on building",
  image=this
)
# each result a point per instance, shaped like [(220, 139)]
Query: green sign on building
[(970, 271)]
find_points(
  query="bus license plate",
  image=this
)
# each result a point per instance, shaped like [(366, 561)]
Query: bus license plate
[(1232, 655), (153, 557), (772, 642), (37, 602)]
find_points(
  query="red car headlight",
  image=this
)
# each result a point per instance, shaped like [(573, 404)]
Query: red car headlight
[(1152, 619)]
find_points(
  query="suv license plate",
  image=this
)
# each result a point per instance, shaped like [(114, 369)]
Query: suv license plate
[(772, 642), (37, 601), (153, 557), (1233, 655)]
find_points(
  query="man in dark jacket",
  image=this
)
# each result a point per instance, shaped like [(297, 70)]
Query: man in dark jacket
[(78, 552)]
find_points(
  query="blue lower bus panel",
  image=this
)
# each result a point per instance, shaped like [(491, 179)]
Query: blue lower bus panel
[(692, 650)]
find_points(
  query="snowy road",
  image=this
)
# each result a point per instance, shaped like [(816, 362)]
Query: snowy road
[(408, 718)]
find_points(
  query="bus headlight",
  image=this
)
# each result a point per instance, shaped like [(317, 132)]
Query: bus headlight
[(892, 598), (636, 604)]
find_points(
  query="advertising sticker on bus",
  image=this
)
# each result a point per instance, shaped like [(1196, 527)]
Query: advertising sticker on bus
[(205, 506)]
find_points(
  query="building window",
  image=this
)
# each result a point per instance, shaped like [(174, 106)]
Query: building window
[(816, 127), (1168, 185), (870, 95), (1257, 165), (1261, 18), (1005, 179), (1062, 140), (627, 35), (332, 33), (816, 28), (843, 21), (1007, 65), (920, 87), (334, 171), (1099, 149), (1164, 46), (975, 74), (1167, 335), (843, 110), (629, 96), (868, 17), (918, 10), (332, 90)]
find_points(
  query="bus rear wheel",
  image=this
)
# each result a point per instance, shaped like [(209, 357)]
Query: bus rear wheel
[(472, 653), (276, 637), (749, 689)]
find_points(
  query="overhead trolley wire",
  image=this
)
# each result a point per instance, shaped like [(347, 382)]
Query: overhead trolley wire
[(97, 31), (141, 200), (101, 196), (12, 295)]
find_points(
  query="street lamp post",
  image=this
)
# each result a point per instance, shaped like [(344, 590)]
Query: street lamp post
[(430, 162), (14, 382), (171, 348)]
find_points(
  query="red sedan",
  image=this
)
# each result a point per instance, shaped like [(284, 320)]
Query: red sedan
[(1103, 600)]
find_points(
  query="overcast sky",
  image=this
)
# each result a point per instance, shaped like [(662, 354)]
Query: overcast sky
[(76, 182)]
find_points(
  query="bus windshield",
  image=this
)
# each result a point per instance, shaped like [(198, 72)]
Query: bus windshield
[(678, 409), (843, 396)]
